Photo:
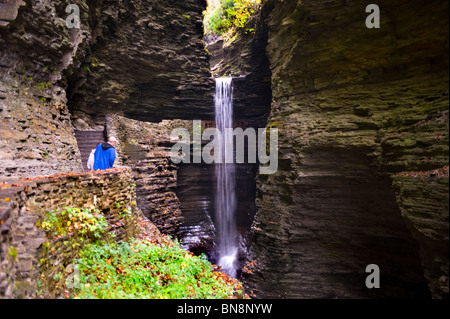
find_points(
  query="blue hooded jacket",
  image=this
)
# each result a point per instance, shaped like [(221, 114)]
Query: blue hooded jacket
[(105, 155)]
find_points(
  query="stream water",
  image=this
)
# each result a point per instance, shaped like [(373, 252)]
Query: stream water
[(218, 200), (225, 191)]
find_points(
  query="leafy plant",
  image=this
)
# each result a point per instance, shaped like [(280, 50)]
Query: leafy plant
[(80, 224), (141, 269), (43, 85), (226, 16), (67, 230), (12, 253), (136, 268), (93, 63)]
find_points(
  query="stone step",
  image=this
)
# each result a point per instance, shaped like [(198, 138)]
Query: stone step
[(87, 141)]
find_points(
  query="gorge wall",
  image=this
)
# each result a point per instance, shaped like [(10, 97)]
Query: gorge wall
[(357, 109), (145, 147), (36, 132), (141, 59), (362, 115), (146, 61)]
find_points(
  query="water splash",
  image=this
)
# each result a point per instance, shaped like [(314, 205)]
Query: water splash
[(228, 264), (226, 181)]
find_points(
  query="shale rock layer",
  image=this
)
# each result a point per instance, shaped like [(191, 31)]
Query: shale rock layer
[(141, 59), (355, 106)]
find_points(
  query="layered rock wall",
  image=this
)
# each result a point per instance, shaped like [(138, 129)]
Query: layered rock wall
[(423, 200), (35, 126), (146, 61), (142, 59), (355, 106), (22, 205), (145, 147)]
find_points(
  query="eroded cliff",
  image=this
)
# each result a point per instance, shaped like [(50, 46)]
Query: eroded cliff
[(146, 61), (356, 108), (141, 59), (362, 115)]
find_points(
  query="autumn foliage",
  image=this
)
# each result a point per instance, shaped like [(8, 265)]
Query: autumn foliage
[(440, 172), (141, 269), (226, 16), (149, 266)]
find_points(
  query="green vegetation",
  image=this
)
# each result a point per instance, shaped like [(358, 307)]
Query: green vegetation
[(224, 17), (43, 85), (12, 253), (76, 224), (80, 244), (140, 269), (67, 231), (93, 63)]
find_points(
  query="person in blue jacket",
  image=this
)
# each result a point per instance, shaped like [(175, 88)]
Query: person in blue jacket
[(105, 155)]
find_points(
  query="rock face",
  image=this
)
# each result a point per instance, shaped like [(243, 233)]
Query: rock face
[(142, 59), (9, 10), (146, 61), (22, 205), (355, 106), (36, 132), (146, 148), (423, 200)]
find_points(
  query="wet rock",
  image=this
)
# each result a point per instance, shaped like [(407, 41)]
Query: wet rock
[(354, 106), (145, 62), (142, 146), (423, 201), (9, 10)]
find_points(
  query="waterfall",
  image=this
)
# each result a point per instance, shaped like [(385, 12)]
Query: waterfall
[(225, 181)]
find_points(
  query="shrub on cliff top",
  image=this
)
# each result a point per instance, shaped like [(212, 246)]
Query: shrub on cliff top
[(224, 17)]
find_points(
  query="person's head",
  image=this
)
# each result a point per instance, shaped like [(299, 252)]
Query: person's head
[(112, 140)]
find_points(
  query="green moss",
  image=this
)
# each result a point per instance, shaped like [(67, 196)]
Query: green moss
[(12, 253)]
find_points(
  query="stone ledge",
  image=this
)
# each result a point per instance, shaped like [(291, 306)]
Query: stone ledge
[(9, 9), (23, 201)]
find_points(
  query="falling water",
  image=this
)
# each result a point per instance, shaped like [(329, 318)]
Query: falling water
[(226, 184)]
